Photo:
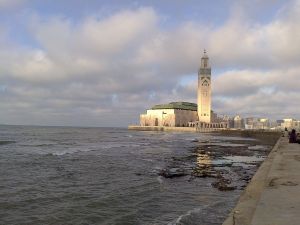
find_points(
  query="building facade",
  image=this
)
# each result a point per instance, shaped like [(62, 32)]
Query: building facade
[(238, 122), (252, 123), (174, 114), (290, 124), (204, 90)]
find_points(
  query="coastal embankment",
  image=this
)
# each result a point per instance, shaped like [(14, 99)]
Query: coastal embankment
[(158, 128), (272, 196), (244, 133)]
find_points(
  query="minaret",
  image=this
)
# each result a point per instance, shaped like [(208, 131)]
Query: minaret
[(204, 90)]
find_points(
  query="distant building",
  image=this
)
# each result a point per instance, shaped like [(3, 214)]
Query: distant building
[(231, 122), (287, 123), (174, 114), (274, 125), (290, 124), (251, 123), (263, 123), (279, 122), (238, 122)]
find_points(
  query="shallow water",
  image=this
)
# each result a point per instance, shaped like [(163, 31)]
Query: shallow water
[(109, 176)]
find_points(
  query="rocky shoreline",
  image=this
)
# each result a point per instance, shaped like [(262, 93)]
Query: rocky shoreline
[(231, 163)]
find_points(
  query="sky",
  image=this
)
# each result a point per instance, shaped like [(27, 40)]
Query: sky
[(103, 63)]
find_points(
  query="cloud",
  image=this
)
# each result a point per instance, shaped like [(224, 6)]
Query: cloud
[(106, 70), (273, 93), (8, 4)]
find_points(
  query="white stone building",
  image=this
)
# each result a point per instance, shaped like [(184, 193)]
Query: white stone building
[(257, 123), (263, 123), (251, 123), (174, 114), (238, 122), (287, 123), (290, 124)]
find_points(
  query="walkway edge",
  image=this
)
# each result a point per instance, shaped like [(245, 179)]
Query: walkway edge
[(246, 206)]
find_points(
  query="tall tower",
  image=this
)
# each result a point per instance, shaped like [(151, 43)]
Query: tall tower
[(204, 90)]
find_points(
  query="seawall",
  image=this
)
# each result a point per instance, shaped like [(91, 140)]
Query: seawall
[(156, 128), (266, 134), (273, 195)]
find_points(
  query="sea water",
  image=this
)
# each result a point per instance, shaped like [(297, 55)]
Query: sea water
[(108, 176)]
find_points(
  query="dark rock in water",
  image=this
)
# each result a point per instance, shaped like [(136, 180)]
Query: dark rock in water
[(205, 173), (246, 178), (223, 185), (173, 172)]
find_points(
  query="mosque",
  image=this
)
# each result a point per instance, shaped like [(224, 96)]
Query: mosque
[(186, 114)]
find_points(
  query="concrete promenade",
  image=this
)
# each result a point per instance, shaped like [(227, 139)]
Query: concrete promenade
[(273, 195)]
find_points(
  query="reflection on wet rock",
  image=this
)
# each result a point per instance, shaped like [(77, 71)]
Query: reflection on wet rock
[(230, 163)]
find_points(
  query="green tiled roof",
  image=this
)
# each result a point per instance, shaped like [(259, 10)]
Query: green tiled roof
[(177, 105)]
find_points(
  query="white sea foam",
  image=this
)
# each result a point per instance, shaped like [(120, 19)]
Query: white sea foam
[(70, 151), (243, 159), (225, 144), (160, 180), (95, 147), (185, 218), (257, 147)]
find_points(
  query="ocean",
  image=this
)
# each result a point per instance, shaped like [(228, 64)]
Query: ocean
[(112, 176)]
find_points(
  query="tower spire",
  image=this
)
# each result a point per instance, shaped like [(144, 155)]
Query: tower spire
[(204, 90)]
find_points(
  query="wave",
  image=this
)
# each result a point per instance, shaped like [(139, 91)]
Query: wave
[(257, 147), (224, 144), (70, 151), (6, 142), (60, 149), (37, 145), (203, 215), (187, 218), (61, 153), (159, 179)]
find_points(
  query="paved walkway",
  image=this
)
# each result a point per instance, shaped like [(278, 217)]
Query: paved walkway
[(273, 195)]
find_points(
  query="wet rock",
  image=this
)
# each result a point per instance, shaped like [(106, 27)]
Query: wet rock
[(223, 185), (247, 179), (208, 160), (173, 172), (205, 173)]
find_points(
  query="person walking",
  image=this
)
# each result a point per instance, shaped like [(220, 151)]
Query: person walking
[(293, 137)]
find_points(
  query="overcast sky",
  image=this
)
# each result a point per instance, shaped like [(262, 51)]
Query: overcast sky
[(102, 63)]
